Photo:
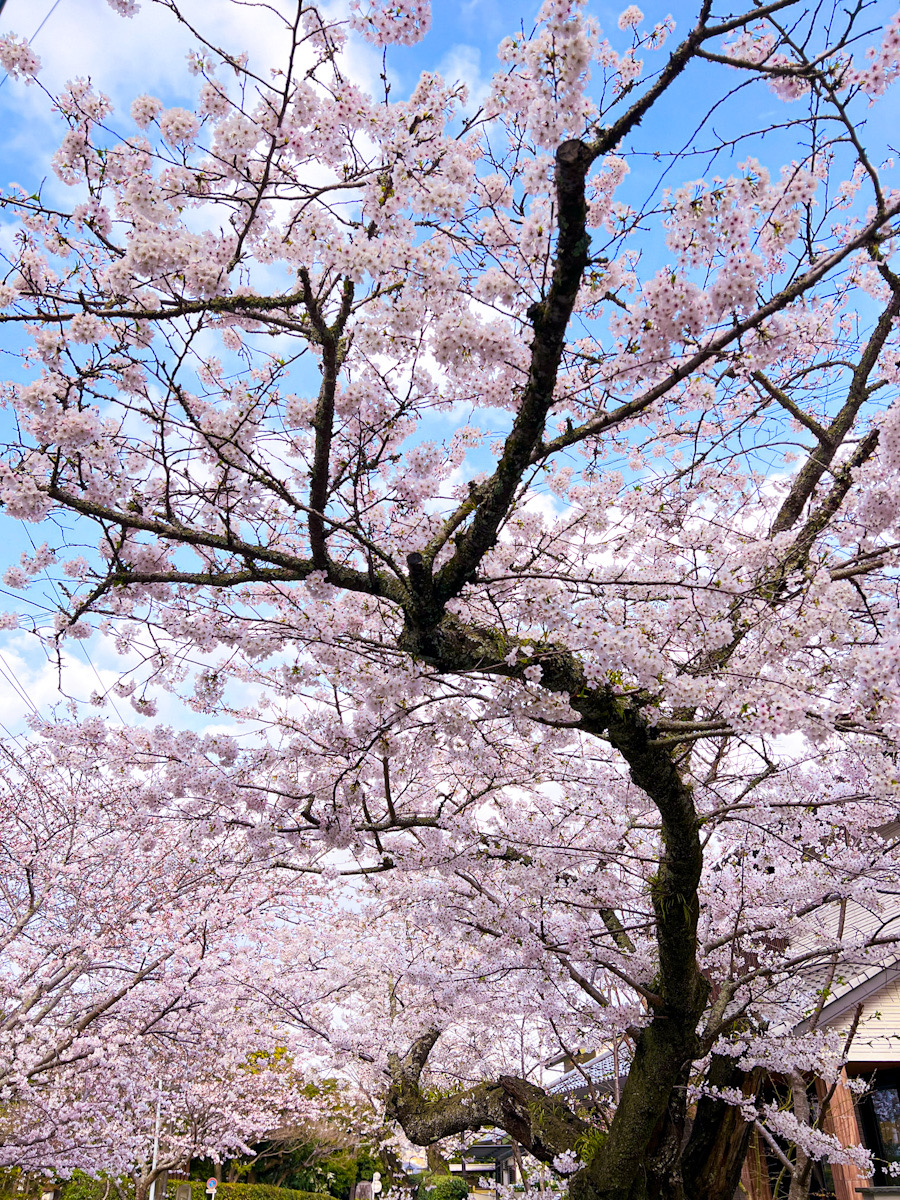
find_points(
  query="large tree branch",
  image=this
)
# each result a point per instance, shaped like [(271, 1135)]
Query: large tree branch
[(719, 342), (667, 1045), (543, 1124), (323, 422), (290, 566), (857, 394), (551, 321)]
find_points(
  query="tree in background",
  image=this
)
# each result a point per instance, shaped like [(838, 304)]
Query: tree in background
[(128, 963), (526, 479), (327, 1152)]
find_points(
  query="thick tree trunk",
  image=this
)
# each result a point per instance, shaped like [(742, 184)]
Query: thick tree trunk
[(799, 1189), (639, 1158), (437, 1164), (671, 1163), (714, 1156)]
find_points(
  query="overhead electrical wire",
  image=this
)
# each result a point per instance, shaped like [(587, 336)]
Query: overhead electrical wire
[(23, 691), (81, 645), (56, 4)]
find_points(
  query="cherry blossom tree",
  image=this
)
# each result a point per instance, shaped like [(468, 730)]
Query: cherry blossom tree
[(525, 478), (127, 956)]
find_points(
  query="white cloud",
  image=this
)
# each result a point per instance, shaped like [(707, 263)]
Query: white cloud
[(145, 52), (126, 57), (489, 16), (462, 64), (32, 682)]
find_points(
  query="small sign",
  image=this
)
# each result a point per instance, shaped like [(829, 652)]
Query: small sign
[(376, 1183), (211, 1185)]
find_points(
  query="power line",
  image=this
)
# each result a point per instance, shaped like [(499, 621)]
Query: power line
[(7, 673), (81, 645), (56, 4)]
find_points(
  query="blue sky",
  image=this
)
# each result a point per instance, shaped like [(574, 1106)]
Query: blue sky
[(126, 57), (147, 54)]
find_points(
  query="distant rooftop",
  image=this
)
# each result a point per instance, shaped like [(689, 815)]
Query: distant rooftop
[(601, 1071)]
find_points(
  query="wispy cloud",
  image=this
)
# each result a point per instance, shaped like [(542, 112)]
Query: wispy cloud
[(462, 64)]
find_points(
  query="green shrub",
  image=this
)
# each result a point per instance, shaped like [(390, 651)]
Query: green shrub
[(247, 1191), (443, 1187), (82, 1187), (16, 1185)]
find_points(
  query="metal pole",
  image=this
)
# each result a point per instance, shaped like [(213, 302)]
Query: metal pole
[(156, 1139)]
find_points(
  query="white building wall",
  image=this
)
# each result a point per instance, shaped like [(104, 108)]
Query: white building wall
[(878, 1034)]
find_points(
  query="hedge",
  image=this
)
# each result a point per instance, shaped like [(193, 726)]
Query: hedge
[(82, 1187), (11, 1178), (442, 1187), (85, 1187), (247, 1191)]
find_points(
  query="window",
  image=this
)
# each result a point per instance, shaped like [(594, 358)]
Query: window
[(879, 1111)]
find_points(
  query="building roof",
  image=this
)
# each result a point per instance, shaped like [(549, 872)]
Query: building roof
[(601, 1071)]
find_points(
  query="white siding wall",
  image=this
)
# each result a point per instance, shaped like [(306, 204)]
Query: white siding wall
[(878, 1036)]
